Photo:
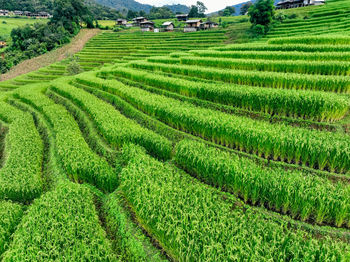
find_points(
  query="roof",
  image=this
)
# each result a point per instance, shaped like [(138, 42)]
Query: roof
[(180, 15), (289, 1), (147, 22), (168, 23), (193, 21), (121, 19), (140, 18)]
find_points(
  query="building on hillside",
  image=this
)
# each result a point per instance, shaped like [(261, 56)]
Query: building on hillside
[(208, 25), (122, 22), (193, 25), (27, 13), (287, 4), (4, 12), (182, 17), (18, 13), (147, 26), (138, 20), (168, 26), (44, 15)]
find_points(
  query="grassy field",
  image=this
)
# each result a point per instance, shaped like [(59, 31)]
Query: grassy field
[(7, 24), (181, 147)]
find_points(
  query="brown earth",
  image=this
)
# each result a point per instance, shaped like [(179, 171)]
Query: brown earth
[(49, 58)]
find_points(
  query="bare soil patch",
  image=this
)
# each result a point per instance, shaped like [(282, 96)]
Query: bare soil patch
[(49, 58)]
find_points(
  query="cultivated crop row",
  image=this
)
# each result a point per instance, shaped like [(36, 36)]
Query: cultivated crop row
[(194, 222), (313, 105), (254, 78), (115, 127), (313, 148), (78, 160), (301, 67), (275, 55), (10, 216), (306, 198), (20, 177), (61, 225)]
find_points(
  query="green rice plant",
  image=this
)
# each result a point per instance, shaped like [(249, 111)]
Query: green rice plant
[(20, 177), (316, 40), (274, 55), (338, 68), (284, 191), (316, 149), (284, 48), (10, 216), (194, 222), (312, 105), (62, 225), (338, 84), (115, 127), (131, 244), (78, 160)]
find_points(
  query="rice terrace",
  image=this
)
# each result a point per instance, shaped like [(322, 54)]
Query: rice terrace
[(175, 133)]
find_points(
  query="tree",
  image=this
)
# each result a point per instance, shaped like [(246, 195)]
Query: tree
[(198, 10), (70, 14), (131, 14), (193, 12), (245, 7), (160, 13), (228, 11), (201, 8), (262, 13)]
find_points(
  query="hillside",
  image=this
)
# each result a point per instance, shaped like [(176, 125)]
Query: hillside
[(136, 6), (177, 146), (239, 6)]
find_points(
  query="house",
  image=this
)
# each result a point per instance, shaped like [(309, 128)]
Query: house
[(208, 25), (43, 15), (147, 26), (4, 12), (287, 4), (138, 20), (18, 13), (122, 22), (168, 26), (3, 44), (192, 25), (182, 17), (28, 14)]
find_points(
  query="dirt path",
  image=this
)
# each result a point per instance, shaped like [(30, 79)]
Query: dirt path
[(56, 55)]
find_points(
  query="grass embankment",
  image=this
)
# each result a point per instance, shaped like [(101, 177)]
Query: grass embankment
[(49, 58)]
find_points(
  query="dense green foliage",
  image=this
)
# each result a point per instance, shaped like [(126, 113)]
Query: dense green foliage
[(281, 142), (116, 128), (129, 241), (261, 15), (195, 222), (71, 146), (306, 104), (20, 177), (283, 191), (61, 225), (33, 40), (233, 153), (10, 215), (254, 78)]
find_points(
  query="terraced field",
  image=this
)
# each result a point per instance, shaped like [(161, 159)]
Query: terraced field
[(177, 147), (110, 47), (331, 18)]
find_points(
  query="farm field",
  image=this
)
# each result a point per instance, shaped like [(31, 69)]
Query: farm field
[(180, 147), (8, 23)]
